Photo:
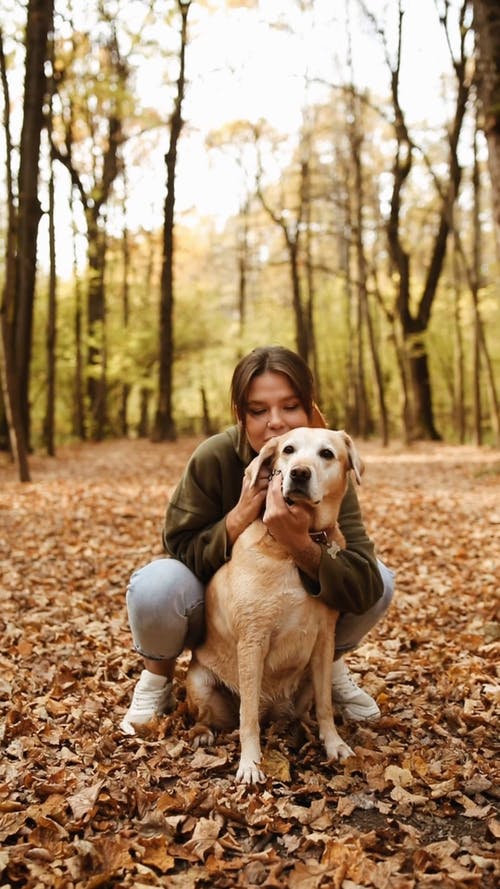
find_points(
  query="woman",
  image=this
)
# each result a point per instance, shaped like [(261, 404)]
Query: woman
[(272, 391)]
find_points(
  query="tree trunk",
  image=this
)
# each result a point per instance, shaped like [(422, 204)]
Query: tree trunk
[(301, 328), (310, 288), (291, 235), (39, 22), (475, 284), (50, 334), (96, 328), (364, 318), (144, 399), (350, 399), (19, 289), (414, 324), (94, 183), (164, 425), (78, 408), (8, 377), (16, 439), (481, 353), (125, 388), (207, 421), (487, 30), (243, 249), (459, 413)]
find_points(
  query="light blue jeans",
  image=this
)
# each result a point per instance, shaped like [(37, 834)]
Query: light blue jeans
[(165, 604)]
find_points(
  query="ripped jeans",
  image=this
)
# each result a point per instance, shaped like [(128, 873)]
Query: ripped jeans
[(165, 604)]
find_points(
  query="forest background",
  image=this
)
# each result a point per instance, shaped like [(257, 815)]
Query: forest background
[(357, 223)]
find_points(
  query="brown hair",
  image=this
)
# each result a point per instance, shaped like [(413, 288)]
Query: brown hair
[(276, 359)]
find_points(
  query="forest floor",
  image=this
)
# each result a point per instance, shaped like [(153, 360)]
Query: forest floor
[(83, 806)]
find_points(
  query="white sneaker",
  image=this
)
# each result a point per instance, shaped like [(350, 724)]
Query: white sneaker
[(152, 696), (353, 702)]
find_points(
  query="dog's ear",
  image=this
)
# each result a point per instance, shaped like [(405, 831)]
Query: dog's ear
[(355, 461), (266, 455)]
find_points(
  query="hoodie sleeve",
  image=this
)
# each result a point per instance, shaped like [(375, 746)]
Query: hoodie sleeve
[(350, 580), (195, 527)]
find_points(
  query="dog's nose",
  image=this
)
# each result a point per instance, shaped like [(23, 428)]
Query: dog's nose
[(300, 473)]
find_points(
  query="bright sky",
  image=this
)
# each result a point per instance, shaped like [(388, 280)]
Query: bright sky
[(239, 66)]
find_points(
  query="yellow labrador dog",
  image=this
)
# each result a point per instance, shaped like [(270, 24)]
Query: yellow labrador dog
[(266, 639)]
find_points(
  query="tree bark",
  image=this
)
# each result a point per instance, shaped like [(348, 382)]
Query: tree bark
[(51, 333), (19, 289), (414, 324), (292, 234), (94, 184), (164, 425), (51, 326), (39, 22), (78, 383), (487, 31), (96, 326)]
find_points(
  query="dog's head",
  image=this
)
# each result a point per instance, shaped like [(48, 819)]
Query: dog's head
[(314, 463)]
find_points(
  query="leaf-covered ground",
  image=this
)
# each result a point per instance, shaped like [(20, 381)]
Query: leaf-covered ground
[(81, 805)]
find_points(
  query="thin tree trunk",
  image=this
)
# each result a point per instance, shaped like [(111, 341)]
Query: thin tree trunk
[(476, 266), (487, 31), (144, 399), (243, 251), (292, 235), (17, 444), (96, 327), (459, 362), (207, 422), (350, 400), (309, 269), (481, 353), (39, 22), (125, 388), (50, 333), (164, 425), (78, 409), (414, 324), (50, 336)]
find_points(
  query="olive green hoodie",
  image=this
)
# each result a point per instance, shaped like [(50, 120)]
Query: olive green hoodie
[(195, 527)]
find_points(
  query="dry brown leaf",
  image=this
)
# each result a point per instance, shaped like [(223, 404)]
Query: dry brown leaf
[(276, 765)]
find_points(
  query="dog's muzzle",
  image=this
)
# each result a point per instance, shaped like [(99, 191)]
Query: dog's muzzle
[(297, 484)]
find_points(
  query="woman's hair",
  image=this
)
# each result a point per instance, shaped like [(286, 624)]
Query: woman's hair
[(276, 359)]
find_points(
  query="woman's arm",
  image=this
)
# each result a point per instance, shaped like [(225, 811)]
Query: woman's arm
[(348, 581), (211, 506)]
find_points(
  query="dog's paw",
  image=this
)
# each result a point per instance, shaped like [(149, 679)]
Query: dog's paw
[(339, 751), (201, 736), (250, 773)]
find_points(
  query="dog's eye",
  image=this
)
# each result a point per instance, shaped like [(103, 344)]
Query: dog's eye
[(327, 454), (288, 449)]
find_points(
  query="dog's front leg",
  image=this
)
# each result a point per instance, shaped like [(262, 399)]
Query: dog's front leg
[(321, 671), (250, 669)]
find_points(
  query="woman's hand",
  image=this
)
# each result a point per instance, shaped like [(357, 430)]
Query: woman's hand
[(289, 525), (249, 506)]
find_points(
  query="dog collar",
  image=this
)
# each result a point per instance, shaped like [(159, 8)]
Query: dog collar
[(332, 547)]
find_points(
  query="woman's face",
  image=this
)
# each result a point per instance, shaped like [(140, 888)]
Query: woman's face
[(273, 408)]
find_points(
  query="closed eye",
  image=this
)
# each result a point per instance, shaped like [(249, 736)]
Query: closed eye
[(327, 454)]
